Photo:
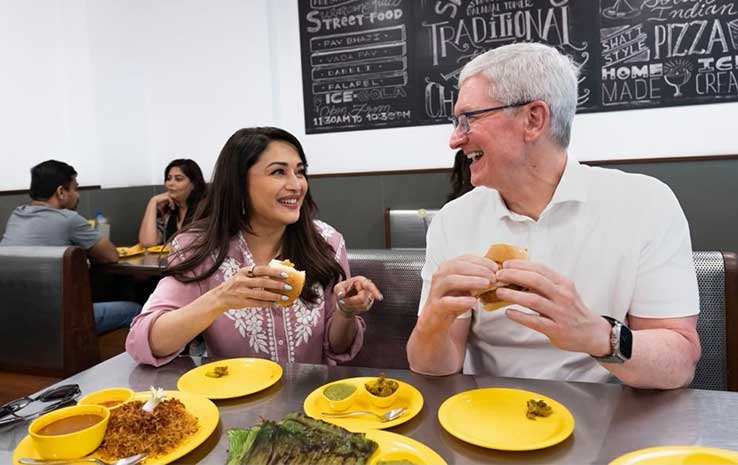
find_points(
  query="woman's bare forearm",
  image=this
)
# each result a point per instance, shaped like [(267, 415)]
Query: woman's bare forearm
[(147, 233), (173, 330), (342, 332)]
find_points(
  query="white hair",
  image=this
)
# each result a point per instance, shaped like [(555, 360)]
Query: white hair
[(524, 72)]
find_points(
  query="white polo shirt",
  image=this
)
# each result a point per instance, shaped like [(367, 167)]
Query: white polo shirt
[(621, 238)]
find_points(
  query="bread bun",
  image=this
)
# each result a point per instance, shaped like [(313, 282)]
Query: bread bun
[(499, 253), (295, 278)]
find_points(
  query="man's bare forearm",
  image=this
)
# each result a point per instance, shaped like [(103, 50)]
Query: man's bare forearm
[(662, 359), (432, 350)]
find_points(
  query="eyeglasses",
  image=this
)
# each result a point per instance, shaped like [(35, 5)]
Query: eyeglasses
[(463, 120), (60, 396)]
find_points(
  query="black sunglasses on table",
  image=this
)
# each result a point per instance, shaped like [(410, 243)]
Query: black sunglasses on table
[(53, 399)]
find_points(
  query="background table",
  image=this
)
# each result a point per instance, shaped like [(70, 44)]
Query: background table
[(131, 278), (143, 265), (610, 419)]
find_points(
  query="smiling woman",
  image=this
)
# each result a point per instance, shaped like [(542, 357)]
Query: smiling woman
[(277, 184), (219, 280)]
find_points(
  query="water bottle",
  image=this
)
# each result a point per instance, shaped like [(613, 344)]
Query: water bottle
[(102, 225)]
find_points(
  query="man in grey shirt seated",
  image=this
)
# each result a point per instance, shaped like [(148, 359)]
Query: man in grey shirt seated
[(52, 220)]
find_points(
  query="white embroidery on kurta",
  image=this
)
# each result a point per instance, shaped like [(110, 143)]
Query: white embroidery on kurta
[(229, 268), (300, 320), (288, 333), (272, 334), (258, 325), (249, 323), (325, 229), (341, 246), (306, 317)]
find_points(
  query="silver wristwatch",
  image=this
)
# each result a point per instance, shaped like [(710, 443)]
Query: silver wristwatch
[(621, 342)]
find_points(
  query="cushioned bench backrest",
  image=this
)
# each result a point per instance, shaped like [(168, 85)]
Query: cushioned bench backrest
[(397, 273), (390, 322), (716, 279), (407, 228), (46, 311)]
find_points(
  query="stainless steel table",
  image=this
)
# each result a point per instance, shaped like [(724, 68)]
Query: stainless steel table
[(610, 419)]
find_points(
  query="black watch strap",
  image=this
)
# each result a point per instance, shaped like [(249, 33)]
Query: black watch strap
[(621, 342)]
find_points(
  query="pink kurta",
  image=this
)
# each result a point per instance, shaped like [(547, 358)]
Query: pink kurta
[(294, 334)]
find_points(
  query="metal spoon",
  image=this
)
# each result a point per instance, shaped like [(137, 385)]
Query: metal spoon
[(132, 460), (389, 415)]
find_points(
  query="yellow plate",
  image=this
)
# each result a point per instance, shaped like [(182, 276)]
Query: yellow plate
[(495, 418), (245, 376), (394, 446), (678, 455), (158, 248), (408, 396), (130, 251), (203, 409)]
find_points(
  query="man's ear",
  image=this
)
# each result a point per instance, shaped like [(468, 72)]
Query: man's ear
[(60, 192), (538, 117)]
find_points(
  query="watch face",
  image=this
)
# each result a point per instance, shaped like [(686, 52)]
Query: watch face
[(626, 342)]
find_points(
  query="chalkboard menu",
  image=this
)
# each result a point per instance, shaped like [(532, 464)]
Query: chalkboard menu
[(371, 64), (667, 52)]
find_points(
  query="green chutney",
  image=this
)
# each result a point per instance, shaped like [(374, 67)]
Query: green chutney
[(339, 391)]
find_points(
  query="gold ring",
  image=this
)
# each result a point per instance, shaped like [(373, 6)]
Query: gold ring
[(250, 272)]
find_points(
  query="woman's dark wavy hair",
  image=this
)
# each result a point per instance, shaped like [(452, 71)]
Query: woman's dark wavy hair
[(227, 210), (460, 176), (199, 189)]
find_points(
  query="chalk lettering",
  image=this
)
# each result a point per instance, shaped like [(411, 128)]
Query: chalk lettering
[(626, 91), (447, 6), (718, 83), (439, 100), (683, 39), (549, 25), (725, 63), (630, 72)]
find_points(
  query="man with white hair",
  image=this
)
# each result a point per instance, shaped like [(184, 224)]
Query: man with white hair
[(609, 287)]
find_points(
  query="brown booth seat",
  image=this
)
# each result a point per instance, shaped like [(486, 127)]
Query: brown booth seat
[(48, 328)]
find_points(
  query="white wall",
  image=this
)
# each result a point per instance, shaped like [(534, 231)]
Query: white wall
[(45, 89), (119, 88), (175, 78)]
